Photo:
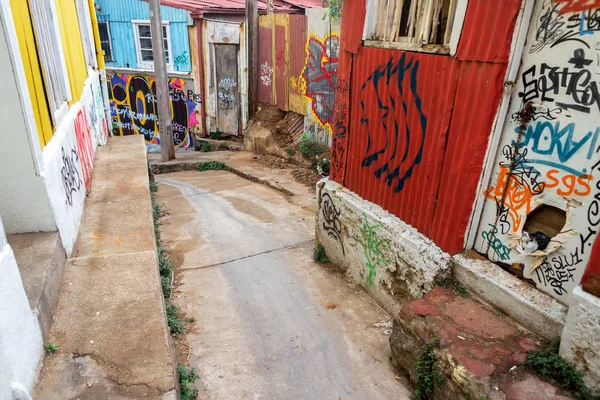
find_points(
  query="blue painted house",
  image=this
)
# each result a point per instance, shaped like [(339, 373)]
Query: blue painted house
[(124, 27)]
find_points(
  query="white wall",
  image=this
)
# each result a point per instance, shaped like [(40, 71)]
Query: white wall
[(20, 335), (24, 205)]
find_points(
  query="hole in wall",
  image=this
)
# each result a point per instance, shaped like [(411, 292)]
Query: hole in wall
[(547, 219)]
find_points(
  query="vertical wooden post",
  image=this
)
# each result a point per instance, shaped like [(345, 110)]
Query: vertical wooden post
[(163, 98), (252, 45)]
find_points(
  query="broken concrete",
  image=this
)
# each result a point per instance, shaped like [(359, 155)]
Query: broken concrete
[(110, 323)]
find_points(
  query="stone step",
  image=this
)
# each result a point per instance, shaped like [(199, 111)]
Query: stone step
[(479, 350), (41, 259)]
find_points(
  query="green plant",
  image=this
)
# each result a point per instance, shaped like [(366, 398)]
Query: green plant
[(335, 10), (460, 290), (51, 347), (290, 151), (323, 165), (223, 147), (319, 254), (215, 135), (211, 166), (176, 325), (457, 287), (309, 149), (550, 366), (426, 371), (205, 147), (186, 382)]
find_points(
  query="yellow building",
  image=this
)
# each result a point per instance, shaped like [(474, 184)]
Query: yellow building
[(52, 118)]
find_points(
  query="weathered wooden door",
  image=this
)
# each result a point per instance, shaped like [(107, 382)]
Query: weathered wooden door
[(228, 91), (546, 178)]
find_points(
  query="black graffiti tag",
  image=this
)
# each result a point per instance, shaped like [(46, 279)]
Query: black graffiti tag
[(70, 174), (404, 144), (331, 217)]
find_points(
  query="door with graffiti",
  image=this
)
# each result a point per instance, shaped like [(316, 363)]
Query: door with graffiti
[(542, 206), (228, 91)]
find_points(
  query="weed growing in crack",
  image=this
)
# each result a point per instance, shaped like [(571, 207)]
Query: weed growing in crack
[(457, 287), (205, 147), (290, 151), (319, 254), (550, 366), (176, 325), (211, 166), (51, 347), (426, 371), (186, 382)]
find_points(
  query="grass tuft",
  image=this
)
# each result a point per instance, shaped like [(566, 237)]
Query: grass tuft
[(320, 255), (426, 371), (211, 166), (186, 382)]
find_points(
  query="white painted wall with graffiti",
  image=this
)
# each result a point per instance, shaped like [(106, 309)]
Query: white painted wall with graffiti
[(320, 75), (542, 205)]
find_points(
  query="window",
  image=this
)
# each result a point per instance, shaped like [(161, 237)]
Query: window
[(87, 36), (426, 25), (143, 44), (105, 41), (50, 52)]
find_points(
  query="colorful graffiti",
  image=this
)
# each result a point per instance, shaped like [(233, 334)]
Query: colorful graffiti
[(85, 149), (320, 77), (393, 88), (550, 154), (134, 110)]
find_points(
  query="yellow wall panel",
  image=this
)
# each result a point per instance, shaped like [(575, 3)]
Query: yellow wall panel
[(73, 47), (33, 72)]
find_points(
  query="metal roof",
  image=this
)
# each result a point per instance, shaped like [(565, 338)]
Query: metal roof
[(203, 5)]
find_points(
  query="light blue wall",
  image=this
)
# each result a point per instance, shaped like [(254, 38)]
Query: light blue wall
[(120, 13)]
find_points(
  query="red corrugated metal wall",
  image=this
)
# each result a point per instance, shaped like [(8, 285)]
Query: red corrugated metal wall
[(265, 61), (280, 69), (298, 36), (419, 124)]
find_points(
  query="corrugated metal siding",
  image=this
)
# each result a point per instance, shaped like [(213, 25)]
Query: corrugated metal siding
[(497, 19), (265, 60), (297, 50), (120, 13), (479, 91), (353, 12), (414, 92), (280, 68)]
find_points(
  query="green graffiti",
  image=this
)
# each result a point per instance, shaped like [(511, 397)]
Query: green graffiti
[(373, 248)]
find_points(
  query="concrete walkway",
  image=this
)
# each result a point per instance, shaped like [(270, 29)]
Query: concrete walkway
[(110, 322), (270, 322)]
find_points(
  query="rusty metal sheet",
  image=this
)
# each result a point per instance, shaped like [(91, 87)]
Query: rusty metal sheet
[(479, 91), (488, 30), (341, 118), (400, 111), (265, 61), (280, 67), (353, 22), (297, 51)]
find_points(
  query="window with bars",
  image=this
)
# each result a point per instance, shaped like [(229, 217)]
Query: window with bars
[(105, 40), (413, 24), (143, 44)]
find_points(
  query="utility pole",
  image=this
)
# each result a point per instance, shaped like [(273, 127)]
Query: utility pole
[(252, 29), (163, 98)]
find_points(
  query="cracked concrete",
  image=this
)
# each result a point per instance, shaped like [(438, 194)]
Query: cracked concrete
[(270, 322)]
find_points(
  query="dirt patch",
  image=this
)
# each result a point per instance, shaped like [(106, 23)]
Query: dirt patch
[(269, 115), (307, 177), (284, 126), (273, 162)]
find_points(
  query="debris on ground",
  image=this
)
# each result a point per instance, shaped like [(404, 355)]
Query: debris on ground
[(273, 162), (307, 176)]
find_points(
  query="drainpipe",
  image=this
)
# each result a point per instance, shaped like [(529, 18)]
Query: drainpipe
[(199, 18)]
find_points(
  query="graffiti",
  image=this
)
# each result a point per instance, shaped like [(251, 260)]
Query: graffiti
[(557, 271), (332, 225), (578, 84), (181, 60), (132, 241), (553, 27), (226, 94), (338, 150), (577, 5), (134, 109), (70, 174), (320, 77), (85, 149), (340, 112), (373, 248), (550, 139), (266, 74), (501, 250), (342, 86), (569, 184), (539, 112), (404, 144), (593, 216)]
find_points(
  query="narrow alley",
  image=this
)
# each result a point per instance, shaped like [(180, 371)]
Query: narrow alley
[(269, 322)]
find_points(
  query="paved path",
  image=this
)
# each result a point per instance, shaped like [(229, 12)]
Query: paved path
[(270, 323)]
